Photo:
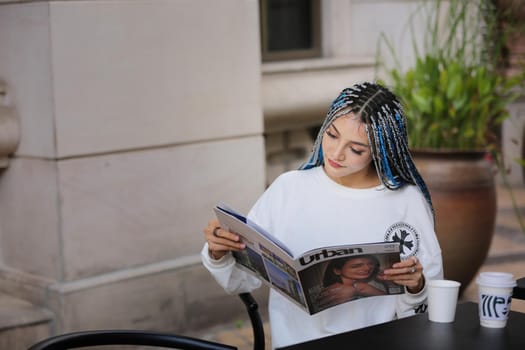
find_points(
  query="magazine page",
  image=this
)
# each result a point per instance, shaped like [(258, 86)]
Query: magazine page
[(334, 275), (258, 230), (263, 255)]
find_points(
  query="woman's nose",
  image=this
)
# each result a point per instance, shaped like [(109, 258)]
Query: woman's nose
[(339, 153)]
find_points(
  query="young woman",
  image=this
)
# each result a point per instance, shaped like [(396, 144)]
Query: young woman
[(360, 185)]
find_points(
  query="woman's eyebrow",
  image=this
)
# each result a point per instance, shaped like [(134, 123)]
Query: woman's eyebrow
[(337, 131), (353, 142), (360, 143)]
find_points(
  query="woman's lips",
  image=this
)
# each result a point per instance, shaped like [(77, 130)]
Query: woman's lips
[(334, 164)]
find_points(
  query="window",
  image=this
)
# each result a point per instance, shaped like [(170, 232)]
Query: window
[(290, 29)]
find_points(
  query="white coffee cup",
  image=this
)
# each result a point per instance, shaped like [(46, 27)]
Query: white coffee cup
[(442, 300), (495, 295)]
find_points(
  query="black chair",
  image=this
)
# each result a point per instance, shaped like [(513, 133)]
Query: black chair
[(519, 290), (148, 338), (126, 337)]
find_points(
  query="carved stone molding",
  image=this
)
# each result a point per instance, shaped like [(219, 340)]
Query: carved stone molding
[(9, 128)]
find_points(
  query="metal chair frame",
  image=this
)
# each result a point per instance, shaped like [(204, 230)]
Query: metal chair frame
[(126, 337)]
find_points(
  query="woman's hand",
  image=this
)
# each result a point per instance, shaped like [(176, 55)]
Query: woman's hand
[(367, 290), (336, 293), (408, 273), (220, 241)]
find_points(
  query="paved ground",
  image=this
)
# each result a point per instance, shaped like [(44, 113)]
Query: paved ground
[(507, 254)]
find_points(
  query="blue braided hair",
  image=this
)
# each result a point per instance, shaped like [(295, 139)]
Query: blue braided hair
[(385, 125)]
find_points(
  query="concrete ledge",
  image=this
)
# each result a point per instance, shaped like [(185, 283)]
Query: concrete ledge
[(21, 323), (173, 296), (176, 296), (295, 98), (126, 274), (18, 313), (24, 285)]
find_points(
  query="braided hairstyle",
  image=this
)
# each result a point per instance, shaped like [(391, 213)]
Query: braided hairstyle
[(385, 125)]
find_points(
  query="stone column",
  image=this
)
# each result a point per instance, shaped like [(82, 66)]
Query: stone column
[(136, 116)]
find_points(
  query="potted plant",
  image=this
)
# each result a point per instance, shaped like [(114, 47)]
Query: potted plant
[(455, 97)]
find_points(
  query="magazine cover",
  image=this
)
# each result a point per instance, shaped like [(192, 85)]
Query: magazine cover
[(318, 279)]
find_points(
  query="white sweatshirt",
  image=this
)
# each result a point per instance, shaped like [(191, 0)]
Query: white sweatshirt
[(305, 209)]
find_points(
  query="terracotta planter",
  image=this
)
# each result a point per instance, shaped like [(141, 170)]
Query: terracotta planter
[(463, 191)]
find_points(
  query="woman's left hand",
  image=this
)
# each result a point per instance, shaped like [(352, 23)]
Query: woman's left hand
[(408, 273)]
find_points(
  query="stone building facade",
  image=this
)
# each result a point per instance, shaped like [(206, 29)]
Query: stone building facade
[(128, 120)]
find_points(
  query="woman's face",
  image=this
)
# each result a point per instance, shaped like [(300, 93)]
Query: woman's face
[(347, 156), (356, 269)]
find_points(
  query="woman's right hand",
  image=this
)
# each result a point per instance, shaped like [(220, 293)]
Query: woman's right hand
[(336, 294), (220, 241)]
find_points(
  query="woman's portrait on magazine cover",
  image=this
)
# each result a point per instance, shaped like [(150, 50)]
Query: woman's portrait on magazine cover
[(350, 278)]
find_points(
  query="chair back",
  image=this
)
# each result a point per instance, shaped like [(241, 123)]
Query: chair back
[(126, 337), (519, 290), (255, 318)]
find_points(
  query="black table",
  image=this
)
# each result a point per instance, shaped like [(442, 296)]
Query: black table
[(418, 332)]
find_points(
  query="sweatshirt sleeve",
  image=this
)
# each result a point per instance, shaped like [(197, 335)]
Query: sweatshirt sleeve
[(228, 275), (409, 304), (429, 255), (232, 278)]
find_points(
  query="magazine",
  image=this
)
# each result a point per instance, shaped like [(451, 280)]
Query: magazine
[(312, 279)]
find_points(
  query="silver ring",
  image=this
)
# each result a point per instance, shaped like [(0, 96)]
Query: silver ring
[(215, 231), (413, 269)]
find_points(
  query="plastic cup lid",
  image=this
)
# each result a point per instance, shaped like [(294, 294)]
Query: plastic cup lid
[(496, 279)]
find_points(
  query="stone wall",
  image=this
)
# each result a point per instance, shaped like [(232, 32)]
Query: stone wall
[(136, 117)]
